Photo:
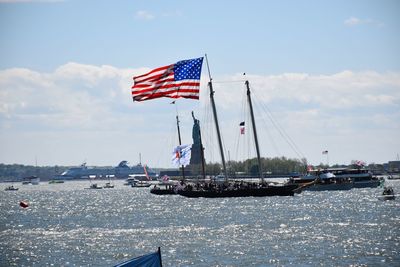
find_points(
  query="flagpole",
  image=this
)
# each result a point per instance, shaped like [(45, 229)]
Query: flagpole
[(216, 121), (327, 159)]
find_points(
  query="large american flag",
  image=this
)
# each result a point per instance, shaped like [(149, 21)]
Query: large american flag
[(181, 79)]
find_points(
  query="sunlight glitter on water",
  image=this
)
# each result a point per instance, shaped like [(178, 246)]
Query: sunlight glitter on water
[(68, 225)]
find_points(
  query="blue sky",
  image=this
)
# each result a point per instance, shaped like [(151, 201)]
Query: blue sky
[(329, 71)]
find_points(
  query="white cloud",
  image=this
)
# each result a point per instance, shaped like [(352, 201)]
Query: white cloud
[(39, 110), (354, 21), (144, 15)]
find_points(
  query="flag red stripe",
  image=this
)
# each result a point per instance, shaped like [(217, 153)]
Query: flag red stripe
[(179, 91), (144, 87), (152, 72), (158, 77), (171, 94)]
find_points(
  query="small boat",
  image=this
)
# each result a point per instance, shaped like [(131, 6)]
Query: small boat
[(141, 184), (11, 188), (108, 185), (166, 188), (31, 180), (394, 177), (23, 204), (55, 181), (388, 194), (94, 186)]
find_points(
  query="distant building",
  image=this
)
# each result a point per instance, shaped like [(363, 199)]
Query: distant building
[(393, 166)]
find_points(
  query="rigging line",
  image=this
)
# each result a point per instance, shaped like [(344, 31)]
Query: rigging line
[(239, 134), (208, 131), (270, 136), (169, 139), (282, 132), (241, 81), (284, 135)]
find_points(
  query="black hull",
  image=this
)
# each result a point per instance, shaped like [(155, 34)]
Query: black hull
[(367, 184), (286, 190), (159, 191)]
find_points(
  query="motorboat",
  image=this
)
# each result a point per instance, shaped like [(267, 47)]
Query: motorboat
[(94, 186), (141, 184), (11, 188), (108, 185), (387, 194)]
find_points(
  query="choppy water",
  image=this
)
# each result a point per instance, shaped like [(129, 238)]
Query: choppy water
[(67, 225)]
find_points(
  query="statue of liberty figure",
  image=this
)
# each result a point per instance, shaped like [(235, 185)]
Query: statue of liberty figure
[(196, 131), (196, 147)]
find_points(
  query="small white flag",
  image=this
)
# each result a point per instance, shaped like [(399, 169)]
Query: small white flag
[(181, 155)]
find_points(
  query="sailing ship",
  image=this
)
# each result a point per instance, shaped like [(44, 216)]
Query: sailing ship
[(182, 79), (237, 189)]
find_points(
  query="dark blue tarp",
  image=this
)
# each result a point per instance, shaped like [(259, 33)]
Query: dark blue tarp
[(149, 260)]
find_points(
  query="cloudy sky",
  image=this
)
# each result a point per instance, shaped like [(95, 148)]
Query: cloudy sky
[(325, 75)]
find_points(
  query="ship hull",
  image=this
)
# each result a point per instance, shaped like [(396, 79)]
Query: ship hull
[(367, 184), (285, 190), (329, 187), (159, 191)]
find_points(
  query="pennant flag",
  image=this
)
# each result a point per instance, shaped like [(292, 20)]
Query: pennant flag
[(325, 152), (181, 79), (241, 127), (181, 155), (149, 260)]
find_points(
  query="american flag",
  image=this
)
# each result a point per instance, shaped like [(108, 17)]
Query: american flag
[(242, 127), (181, 79)]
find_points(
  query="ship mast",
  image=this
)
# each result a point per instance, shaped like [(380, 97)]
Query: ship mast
[(180, 143), (216, 122), (254, 131)]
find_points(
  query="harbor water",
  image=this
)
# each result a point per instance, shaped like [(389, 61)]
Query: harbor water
[(67, 225)]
